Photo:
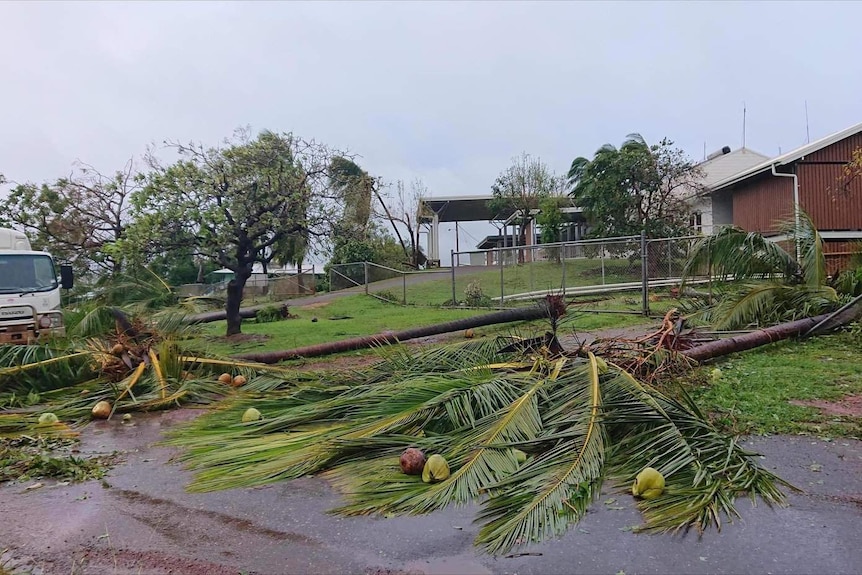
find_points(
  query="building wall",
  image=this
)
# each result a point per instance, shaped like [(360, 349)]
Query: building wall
[(822, 194), (762, 202), (722, 211), (718, 211), (839, 255)]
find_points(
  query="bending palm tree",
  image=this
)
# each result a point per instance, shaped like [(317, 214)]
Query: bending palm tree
[(785, 289)]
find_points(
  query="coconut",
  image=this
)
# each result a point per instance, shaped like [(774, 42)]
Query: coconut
[(127, 417), (238, 381), (436, 469), (102, 410), (251, 414), (412, 461), (520, 456), (469, 333), (225, 378), (48, 418), (648, 484), (118, 349)]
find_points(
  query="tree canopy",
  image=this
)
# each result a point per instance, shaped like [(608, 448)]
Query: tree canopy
[(520, 188), (80, 218), (636, 187), (233, 203)]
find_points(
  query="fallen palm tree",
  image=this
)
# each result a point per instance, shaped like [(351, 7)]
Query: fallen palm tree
[(506, 316), (137, 366), (529, 434)]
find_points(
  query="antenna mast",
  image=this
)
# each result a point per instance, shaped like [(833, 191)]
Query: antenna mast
[(743, 124)]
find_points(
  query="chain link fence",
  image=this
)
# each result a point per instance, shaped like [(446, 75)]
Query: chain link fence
[(426, 288), (624, 274)]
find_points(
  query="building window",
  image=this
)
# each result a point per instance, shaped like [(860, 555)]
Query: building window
[(696, 222)]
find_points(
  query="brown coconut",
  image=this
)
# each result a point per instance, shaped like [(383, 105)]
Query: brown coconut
[(102, 410), (412, 461), (225, 378), (469, 333), (118, 349), (238, 381)]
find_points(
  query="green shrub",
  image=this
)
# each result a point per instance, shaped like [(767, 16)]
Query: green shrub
[(271, 313), (474, 297)]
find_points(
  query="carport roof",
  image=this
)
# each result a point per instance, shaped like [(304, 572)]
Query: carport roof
[(463, 208)]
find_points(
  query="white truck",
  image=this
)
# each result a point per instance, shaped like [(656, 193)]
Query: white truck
[(29, 291)]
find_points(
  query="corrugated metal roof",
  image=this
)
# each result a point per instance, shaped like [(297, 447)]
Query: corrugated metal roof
[(727, 165), (790, 156)]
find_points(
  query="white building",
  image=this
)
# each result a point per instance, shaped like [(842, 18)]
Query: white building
[(710, 213)]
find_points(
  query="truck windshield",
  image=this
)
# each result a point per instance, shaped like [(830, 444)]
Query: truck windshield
[(26, 273)]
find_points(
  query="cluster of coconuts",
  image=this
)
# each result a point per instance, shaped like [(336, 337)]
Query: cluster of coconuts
[(228, 379), (433, 469)]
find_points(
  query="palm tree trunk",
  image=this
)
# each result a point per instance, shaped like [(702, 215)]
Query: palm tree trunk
[(505, 316), (754, 339)]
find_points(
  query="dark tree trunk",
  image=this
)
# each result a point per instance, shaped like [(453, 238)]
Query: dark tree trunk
[(235, 288), (754, 339), (519, 314), (211, 316)]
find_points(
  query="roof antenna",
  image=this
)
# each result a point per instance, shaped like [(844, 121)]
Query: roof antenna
[(743, 124), (704, 151), (807, 133)]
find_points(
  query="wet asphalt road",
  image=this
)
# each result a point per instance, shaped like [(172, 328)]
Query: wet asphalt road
[(145, 522)]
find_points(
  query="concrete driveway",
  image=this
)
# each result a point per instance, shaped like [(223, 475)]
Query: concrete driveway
[(142, 521)]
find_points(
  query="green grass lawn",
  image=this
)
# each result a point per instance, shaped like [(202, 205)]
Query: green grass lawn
[(755, 389), (367, 315)]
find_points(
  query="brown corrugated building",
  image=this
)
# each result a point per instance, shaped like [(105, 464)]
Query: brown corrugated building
[(761, 197)]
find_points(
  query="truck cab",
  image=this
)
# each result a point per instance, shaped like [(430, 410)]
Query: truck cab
[(29, 291)]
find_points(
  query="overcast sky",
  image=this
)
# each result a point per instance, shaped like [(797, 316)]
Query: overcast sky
[(448, 92)]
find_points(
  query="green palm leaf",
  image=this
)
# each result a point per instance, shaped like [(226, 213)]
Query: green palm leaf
[(578, 420), (534, 502)]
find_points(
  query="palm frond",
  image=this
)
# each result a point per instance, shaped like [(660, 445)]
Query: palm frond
[(771, 303), (578, 420), (543, 497), (812, 260), (733, 253)]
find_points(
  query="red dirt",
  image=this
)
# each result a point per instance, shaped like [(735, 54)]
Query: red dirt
[(847, 406)]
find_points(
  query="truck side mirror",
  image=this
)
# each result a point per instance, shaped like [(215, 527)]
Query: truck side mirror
[(67, 279)]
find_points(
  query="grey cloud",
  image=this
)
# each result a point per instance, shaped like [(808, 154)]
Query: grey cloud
[(445, 91)]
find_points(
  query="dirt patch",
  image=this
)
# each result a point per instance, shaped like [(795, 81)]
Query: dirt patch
[(848, 406), (241, 338), (315, 305)]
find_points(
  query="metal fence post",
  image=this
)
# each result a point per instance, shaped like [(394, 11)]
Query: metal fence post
[(644, 274), (563, 262), (404, 288), (502, 288), (602, 259), (452, 265), (669, 259), (365, 264)]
